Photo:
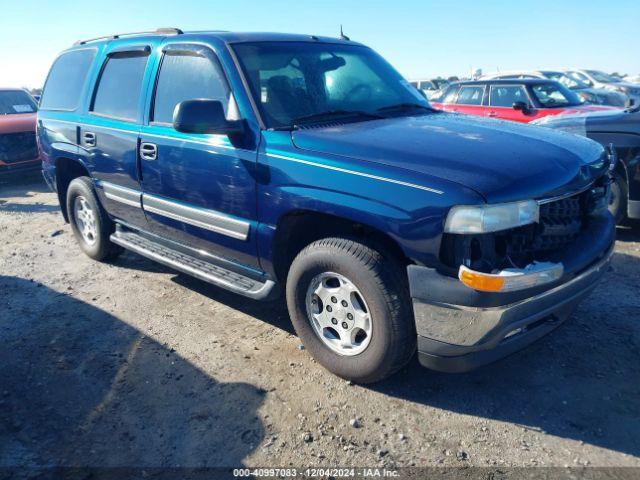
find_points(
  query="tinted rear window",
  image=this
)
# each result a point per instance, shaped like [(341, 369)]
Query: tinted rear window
[(66, 80), (471, 95), (16, 101), (120, 85)]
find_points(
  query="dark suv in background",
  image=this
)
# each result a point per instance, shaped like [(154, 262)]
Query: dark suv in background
[(622, 130), (267, 162)]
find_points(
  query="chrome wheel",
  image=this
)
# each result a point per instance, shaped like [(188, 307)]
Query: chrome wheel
[(338, 313), (85, 219)]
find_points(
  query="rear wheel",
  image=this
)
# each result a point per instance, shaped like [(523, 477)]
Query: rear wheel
[(350, 306), (89, 221)]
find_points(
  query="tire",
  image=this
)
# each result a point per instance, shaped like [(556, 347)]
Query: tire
[(619, 198), (81, 197), (382, 285)]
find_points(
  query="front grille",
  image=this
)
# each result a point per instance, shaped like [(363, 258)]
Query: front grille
[(18, 147), (560, 223)]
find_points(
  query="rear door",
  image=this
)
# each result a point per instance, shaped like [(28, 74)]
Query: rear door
[(501, 100), (199, 189), (469, 100), (110, 134)]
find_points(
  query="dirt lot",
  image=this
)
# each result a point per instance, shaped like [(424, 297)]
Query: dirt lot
[(132, 364)]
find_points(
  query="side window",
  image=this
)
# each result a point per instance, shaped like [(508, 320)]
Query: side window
[(187, 76), (506, 96), (120, 85), (450, 96), (66, 80), (471, 95)]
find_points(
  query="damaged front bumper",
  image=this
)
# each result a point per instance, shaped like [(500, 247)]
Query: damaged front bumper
[(460, 329)]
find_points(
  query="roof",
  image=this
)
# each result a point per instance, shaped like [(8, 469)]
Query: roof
[(506, 81), (228, 37)]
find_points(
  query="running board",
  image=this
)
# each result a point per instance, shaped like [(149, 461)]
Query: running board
[(191, 265)]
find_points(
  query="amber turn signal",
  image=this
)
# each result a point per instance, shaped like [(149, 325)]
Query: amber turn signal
[(481, 281), (511, 279)]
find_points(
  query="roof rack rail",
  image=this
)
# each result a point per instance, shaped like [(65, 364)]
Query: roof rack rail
[(158, 31)]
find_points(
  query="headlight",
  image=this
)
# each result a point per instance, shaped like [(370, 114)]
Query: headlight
[(491, 218)]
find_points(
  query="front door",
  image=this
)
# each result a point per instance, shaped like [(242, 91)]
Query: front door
[(198, 190), (501, 100)]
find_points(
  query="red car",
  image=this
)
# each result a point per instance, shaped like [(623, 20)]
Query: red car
[(520, 100), (18, 149)]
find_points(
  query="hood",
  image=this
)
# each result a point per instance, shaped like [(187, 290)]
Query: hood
[(21, 122), (502, 161), (600, 91), (588, 108), (633, 88)]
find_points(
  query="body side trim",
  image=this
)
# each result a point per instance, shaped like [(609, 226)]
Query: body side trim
[(198, 217), (353, 172), (120, 194)]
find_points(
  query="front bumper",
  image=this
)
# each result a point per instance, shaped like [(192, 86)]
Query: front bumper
[(633, 209), (19, 167), (471, 331)]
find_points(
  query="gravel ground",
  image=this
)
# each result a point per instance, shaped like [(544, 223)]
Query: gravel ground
[(132, 364)]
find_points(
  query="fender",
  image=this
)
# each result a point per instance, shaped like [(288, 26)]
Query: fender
[(417, 232)]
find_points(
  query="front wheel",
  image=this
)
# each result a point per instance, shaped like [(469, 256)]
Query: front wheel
[(619, 198), (350, 306), (89, 221)]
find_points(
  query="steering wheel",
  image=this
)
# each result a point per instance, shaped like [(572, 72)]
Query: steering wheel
[(362, 89)]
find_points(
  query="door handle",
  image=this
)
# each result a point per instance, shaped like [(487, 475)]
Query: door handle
[(148, 151), (89, 139)]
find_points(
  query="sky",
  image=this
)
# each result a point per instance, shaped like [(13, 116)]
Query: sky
[(421, 38)]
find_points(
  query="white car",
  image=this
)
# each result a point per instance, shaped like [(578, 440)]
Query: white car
[(599, 79), (596, 96), (431, 88)]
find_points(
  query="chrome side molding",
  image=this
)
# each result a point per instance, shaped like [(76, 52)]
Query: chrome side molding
[(196, 216), (120, 194)]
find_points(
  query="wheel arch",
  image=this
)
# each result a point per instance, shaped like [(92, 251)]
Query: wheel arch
[(298, 228), (67, 169)]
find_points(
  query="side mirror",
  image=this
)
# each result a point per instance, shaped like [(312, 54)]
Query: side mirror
[(522, 106), (204, 116)]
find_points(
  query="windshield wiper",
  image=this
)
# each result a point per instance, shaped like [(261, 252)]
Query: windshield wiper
[(329, 114), (405, 106)]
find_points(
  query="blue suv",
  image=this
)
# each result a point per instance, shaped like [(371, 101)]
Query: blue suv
[(266, 163)]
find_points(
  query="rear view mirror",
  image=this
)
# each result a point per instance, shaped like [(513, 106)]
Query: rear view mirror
[(204, 116), (522, 106), (332, 63)]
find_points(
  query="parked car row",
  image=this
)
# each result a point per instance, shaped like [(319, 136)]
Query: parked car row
[(602, 80), (596, 96), (265, 162), (517, 99)]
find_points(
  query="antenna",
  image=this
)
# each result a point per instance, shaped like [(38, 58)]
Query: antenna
[(342, 35)]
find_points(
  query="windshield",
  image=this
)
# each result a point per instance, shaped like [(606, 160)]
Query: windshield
[(291, 81), (603, 77), (551, 95), (566, 80), (16, 101)]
